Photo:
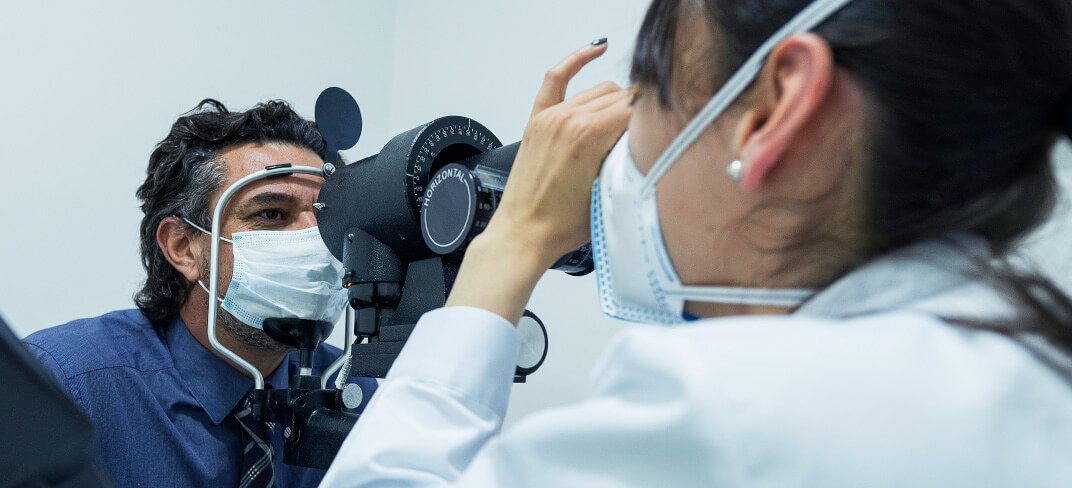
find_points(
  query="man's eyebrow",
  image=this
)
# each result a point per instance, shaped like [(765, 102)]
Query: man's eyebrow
[(267, 198)]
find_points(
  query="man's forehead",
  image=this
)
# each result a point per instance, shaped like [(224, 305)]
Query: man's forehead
[(244, 159)]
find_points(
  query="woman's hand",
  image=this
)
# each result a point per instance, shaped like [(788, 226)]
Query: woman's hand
[(545, 207), (546, 203)]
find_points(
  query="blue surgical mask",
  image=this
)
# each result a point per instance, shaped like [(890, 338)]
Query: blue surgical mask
[(636, 278), (282, 274)]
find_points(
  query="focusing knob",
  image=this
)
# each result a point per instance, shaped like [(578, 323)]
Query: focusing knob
[(533, 344), (457, 206), (351, 396)]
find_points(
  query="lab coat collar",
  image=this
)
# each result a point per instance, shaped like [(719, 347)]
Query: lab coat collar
[(946, 276), (216, 385)]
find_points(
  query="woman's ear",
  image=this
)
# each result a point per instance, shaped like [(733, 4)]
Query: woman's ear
[(173, 237), (792, 86)]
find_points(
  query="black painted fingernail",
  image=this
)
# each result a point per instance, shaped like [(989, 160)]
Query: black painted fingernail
[(599, 42)]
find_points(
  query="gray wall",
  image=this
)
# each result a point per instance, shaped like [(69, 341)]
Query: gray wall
[(90, 87)]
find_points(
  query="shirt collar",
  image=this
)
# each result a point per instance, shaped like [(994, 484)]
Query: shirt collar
[(216, 385), (945, 276)]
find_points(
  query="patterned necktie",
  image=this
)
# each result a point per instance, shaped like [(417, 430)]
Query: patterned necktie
[(258, 469)]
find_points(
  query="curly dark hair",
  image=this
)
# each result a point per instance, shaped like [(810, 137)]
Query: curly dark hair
[(184, 171)]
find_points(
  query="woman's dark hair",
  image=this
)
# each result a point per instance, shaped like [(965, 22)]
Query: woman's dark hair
[(184, 171), (968, 97)]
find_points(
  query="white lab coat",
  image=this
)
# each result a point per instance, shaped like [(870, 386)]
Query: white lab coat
[(865, 386)]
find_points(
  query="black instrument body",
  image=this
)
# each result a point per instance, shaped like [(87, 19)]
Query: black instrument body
[(380, 217)]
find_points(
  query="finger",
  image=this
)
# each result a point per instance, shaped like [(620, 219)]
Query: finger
[(605, 100), (614, 120), (553, 90), (620, 111), (590, 94), (615, 117)]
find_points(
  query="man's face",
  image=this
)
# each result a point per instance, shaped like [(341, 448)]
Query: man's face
[(284, 203)]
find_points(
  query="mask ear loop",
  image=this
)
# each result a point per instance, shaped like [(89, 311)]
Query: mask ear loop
[(198, 227), (812, 15), (203, 287)]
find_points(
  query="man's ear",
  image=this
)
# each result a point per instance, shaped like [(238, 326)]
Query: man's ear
[(175, 240), (791, 88)]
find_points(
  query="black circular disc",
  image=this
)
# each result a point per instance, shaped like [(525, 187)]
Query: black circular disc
[(339, 118), (449, 209)]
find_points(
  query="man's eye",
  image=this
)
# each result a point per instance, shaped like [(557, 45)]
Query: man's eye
[(273, 214)]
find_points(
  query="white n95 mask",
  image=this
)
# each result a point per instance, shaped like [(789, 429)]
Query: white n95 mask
[(636, 278), (283, 274)]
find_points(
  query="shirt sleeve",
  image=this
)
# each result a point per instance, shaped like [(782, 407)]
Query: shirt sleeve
[(436, 421), (46, 359), (49, 362), (443, 399)]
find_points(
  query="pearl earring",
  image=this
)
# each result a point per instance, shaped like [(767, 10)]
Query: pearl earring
[(735, 170)]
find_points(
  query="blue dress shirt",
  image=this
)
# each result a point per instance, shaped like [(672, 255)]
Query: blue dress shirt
[(162, 402)]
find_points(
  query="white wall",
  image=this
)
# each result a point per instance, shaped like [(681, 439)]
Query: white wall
[(90, 87)]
